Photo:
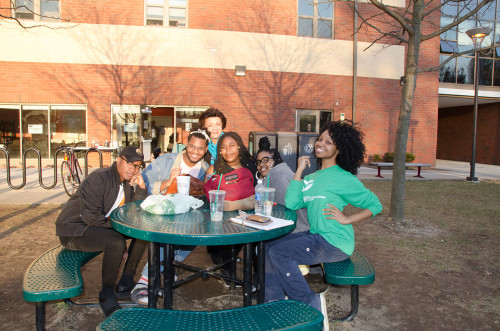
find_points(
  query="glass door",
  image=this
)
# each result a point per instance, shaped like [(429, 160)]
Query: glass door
[(186, 119), (126, 128), (35, 132)]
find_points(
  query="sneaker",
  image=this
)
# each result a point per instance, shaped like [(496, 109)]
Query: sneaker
[(322, 299), (139, 294)]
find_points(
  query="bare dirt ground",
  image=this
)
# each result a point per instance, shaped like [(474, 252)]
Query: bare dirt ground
[(438, 271)]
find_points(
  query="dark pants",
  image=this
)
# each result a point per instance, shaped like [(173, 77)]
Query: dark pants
[(112, 243), (221, 254), (283, 257)]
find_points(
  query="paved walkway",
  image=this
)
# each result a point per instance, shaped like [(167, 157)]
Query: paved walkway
[(33, 193)]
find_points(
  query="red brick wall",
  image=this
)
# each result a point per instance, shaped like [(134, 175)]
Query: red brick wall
[(455, 134), (260, 101), (130, 12), (261, 16)]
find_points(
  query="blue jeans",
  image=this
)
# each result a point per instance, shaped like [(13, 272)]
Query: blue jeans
[(283, 257), (180, 254)]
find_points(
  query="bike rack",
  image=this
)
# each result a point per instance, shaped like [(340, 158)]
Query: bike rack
[(40, 179)]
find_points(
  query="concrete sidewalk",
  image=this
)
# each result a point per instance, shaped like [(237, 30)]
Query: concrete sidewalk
[(33, 193)]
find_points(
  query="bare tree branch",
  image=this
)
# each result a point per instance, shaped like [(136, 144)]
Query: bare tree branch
[(395, 15), (455, 23), (455, 55)]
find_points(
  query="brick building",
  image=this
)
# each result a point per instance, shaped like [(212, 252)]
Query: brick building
[(107, 70)]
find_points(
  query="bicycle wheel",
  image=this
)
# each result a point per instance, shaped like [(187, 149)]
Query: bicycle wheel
[(67, 179)]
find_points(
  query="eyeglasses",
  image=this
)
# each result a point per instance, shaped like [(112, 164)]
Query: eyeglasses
[(264, 160), (136, 167), (199, 149)]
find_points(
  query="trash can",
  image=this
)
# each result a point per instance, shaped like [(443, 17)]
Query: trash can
[(291, 146)]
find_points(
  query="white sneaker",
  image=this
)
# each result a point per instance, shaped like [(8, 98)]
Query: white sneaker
[(322, 298)]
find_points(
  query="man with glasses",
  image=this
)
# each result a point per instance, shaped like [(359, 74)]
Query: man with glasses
[(159, 178), (84, 223)]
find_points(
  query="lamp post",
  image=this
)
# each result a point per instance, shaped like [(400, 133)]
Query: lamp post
[(477, 35)]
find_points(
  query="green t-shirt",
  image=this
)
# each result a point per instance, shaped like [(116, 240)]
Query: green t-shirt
[(337, 187)]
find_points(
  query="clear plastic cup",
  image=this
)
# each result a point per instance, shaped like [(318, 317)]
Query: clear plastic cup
[(216, 204), (267, 197), (183, 184)]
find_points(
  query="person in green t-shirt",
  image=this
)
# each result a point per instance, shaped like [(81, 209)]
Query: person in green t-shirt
[(339, 151)]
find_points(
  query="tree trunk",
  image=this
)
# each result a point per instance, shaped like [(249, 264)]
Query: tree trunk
[(410, 82)]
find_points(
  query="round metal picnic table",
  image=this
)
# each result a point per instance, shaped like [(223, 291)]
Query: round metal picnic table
[(196, 228)]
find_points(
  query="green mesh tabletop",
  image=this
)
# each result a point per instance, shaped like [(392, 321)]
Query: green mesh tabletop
[(193, 227), (55, 275), (356, 270), (276, 315)]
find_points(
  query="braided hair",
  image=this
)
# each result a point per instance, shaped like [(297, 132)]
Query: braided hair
[(349, 142), (246, 160), (265, 146)]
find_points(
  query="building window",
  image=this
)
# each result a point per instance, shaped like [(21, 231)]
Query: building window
[(166, 13), (461, 70), (36, 10), (315, 18)]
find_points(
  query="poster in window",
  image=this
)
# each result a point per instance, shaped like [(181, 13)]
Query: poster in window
[(35, 128)]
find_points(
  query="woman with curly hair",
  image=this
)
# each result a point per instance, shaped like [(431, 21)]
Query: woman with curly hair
[(340, 151), (233, 169), (233, 172)]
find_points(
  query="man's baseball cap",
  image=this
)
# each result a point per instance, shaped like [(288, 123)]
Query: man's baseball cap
[(132, 154)]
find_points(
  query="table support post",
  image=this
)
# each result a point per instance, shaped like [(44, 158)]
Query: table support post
[(232, 266), (247, 275), (153, 269), (261, 268), (168, 276)]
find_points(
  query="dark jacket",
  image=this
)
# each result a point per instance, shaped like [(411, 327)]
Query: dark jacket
[(92, 201)]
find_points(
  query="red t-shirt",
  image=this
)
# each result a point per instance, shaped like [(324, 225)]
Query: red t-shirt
[(238, 184)]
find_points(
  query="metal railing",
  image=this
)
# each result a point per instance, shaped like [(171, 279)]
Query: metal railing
[(65, 149)]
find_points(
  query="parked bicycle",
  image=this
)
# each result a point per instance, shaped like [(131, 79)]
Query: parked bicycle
[(71, 172)]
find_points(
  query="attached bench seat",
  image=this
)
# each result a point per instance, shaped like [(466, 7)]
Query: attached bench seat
[(354, 271), (277, 315), (54, 275), (419, 166)]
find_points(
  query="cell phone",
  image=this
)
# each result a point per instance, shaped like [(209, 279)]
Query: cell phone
[(258, 219)]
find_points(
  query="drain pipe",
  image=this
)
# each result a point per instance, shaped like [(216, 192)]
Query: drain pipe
[(354, 61)]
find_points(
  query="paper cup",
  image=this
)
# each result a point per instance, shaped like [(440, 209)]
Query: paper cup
[(216, 204), (183, 184), (267, 196)]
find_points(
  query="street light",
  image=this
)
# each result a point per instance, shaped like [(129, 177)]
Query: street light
[(477, 35)]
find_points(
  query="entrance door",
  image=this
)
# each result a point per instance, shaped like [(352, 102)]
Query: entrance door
[(186, 119)]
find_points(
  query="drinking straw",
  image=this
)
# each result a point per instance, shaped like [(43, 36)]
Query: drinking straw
[(218, 187)]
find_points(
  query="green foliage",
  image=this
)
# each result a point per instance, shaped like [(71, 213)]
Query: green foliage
[(389, 157), (376, 158)]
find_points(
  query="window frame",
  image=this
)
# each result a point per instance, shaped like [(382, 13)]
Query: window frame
[(37, 10), (315, 18), (166, 6)]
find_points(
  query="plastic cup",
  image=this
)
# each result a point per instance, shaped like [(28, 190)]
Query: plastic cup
[(267, 196), (216, 204), (183, 184)]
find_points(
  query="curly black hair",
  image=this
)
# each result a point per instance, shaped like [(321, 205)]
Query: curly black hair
[(212, 112), (349, 142), (265, 146), (247, 161)]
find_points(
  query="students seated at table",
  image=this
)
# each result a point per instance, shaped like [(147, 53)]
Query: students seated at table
[(233, 169), (84, 223), (160, 176), (324, 193), (214, 121)]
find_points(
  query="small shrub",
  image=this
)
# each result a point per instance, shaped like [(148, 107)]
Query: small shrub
[(389, 157), (376, 158), (410, 157)]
